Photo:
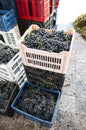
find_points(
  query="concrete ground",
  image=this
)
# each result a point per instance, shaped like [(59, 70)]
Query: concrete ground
[(72, 108)]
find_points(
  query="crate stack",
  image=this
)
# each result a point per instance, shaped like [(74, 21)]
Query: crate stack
[(45, 69), (40, 12), (9, 30)]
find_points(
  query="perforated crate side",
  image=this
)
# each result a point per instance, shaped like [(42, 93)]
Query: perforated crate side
[(11, 37), (14, 70), (37, 10), (23, 9), (4, 72), (55, 62), (41, 10), (17, 69), (22, 79)]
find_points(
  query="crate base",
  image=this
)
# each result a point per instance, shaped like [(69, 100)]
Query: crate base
[(45, 79), (45, 24)]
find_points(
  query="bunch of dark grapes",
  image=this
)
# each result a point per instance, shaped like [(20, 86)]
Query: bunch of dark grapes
[(6, 53), (55, 41)]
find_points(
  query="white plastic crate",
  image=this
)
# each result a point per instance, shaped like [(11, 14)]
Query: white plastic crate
[(14, 70), (11, 37), (55, 62)]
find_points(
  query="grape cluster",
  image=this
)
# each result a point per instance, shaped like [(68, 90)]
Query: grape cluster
[(7, 53), (37, 102), (6, 89), (55, 41)]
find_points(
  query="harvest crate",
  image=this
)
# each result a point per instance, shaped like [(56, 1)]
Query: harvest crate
[(50, 61), (11, 37), (7, 20), (37, 10), (14, 70), (35, 117), (7, 110)]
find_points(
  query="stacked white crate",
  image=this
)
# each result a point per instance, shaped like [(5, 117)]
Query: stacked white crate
[(13, 71), (11, 37)]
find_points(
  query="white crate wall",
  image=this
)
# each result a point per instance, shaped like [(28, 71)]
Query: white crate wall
[(11, 37), (55, 62), (13, 70)]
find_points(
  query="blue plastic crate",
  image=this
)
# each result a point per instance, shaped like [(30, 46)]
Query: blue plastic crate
[(9, 4), (34, 118), (7, 20)]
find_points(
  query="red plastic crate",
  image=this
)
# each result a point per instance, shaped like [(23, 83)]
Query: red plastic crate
[(57, 3), (23, 9), (37, 10)]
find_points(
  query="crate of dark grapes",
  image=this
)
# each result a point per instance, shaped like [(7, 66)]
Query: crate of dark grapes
[(37, 104), (8, 91), (11, 66), (46, 49)]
